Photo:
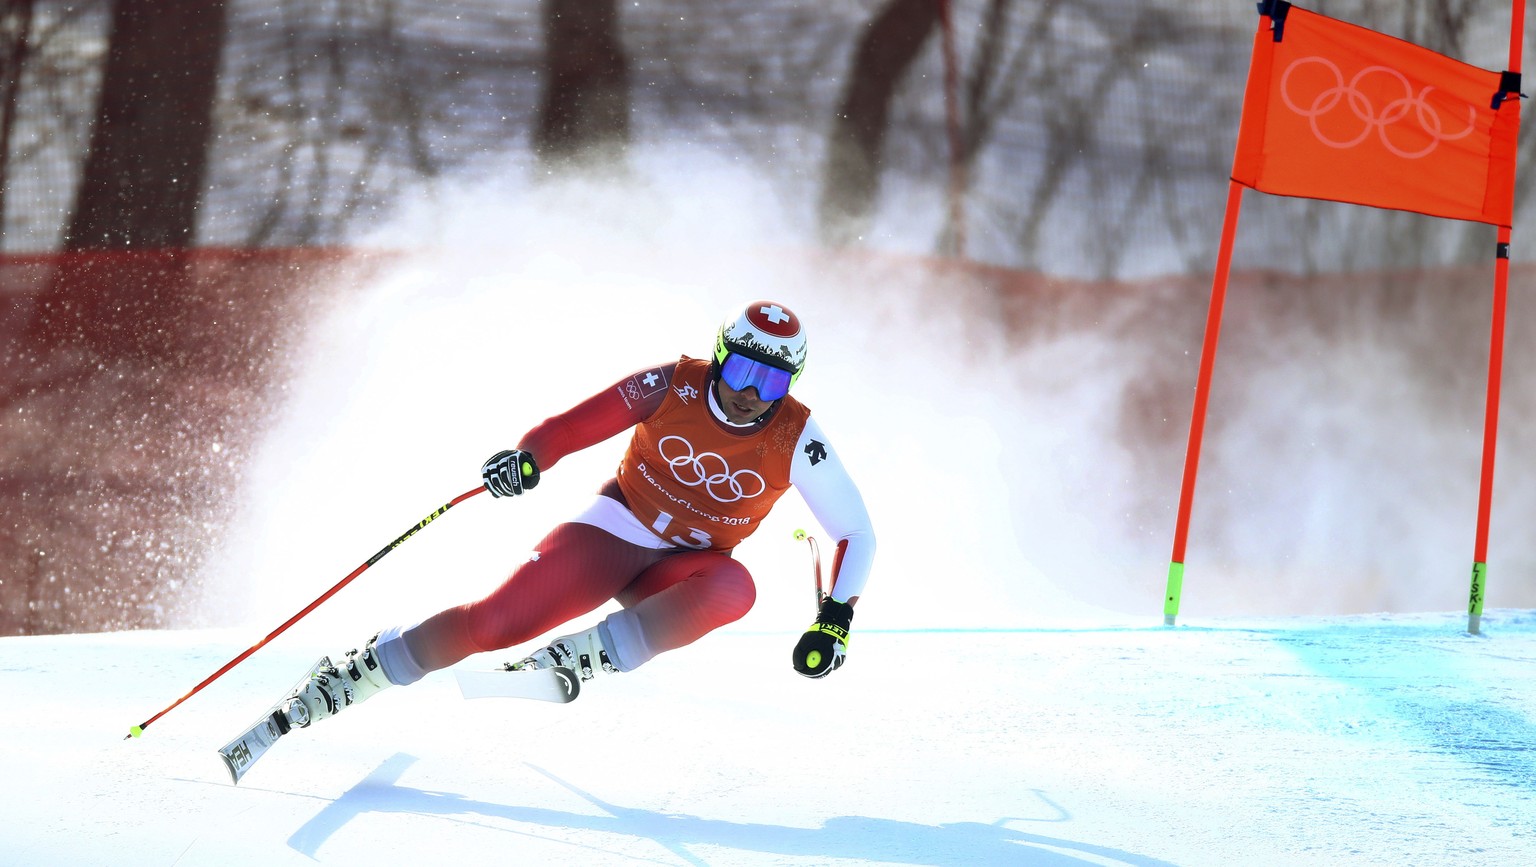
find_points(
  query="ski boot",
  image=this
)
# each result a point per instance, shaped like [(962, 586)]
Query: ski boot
[(582, 652), (332, 687)]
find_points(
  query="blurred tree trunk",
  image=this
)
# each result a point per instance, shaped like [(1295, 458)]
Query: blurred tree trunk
[(891, 42), (144, 174), (16, 44), (584, 118), (141, 183)]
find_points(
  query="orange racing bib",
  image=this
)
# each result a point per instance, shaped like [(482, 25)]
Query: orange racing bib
[(698, 483)]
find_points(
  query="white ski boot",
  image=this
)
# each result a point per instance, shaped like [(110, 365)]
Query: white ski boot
[(332, 687), (582, 652)]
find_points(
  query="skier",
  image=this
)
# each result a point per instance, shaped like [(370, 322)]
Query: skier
[(715, 444)]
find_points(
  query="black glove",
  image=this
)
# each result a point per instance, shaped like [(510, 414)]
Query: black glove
[(823, 646), (509, 473)]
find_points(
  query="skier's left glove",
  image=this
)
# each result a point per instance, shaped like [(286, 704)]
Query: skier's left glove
[(822, 648), (509, 473)]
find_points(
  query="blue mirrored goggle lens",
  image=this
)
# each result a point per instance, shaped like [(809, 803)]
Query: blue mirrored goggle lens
[(739, 372)]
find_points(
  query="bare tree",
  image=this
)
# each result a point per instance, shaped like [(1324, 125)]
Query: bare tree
[(16, 42), (584, 117), (144, 173), (142, 180), (890, 43)]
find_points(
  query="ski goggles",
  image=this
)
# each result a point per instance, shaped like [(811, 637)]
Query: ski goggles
[(739, 372)]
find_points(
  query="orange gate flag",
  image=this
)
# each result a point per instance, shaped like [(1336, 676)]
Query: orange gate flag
[(1335, 111)]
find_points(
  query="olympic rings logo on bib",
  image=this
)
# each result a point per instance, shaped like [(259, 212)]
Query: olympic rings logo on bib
[(711, 471)]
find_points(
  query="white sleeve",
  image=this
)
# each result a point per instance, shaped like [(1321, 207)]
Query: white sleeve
[(818, 474)]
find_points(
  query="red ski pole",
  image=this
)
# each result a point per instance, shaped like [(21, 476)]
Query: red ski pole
[(138, 730)]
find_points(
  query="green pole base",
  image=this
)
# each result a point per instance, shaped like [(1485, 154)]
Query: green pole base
[(1175, 593), (1475, 600)]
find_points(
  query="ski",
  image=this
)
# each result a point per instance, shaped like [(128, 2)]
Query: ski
[(557, 684), (546, 684), (250, 745), (242, 752)]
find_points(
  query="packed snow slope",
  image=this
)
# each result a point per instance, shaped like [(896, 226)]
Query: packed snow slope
[(1390, 740)]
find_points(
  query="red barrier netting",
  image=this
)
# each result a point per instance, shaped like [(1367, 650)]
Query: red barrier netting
[(134, 385)]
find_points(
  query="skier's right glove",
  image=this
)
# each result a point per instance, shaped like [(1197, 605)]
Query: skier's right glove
[(822, 648), (509, 473)]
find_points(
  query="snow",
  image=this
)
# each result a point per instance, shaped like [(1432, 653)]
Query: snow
[(1356, 740)]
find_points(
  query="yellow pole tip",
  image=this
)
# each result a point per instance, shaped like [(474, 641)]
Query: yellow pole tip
[(799, 535), (136, 731)]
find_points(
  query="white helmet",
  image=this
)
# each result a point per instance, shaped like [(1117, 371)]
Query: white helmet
[(764, 332)]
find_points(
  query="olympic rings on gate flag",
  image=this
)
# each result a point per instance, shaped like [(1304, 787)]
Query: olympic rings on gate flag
[(1349, 99), (1340, 112)]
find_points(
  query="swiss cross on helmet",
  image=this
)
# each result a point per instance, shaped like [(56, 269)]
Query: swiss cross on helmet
[(768, 335)]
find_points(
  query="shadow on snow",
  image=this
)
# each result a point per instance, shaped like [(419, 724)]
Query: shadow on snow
[(854, 837)]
